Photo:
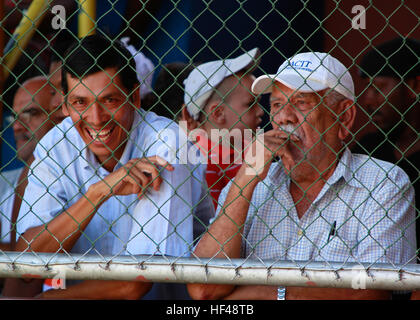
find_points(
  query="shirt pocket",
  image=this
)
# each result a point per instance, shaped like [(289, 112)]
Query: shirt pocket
[(339, 249)]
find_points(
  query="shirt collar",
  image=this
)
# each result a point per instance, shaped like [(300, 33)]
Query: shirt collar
[(346, 169), (132, 139), (276, 174)]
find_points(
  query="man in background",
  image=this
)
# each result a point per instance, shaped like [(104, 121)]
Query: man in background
[(35, 115), (391, 98), (53, 115), (218, 99)]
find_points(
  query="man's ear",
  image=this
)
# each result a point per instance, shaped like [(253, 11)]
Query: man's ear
[(135, 97), (186, 117), (216, 114), (347, 116), (65, 109)]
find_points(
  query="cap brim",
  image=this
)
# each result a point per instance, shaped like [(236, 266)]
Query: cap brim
[(202, 81), (247, 61), (264, 84), (198, 104)]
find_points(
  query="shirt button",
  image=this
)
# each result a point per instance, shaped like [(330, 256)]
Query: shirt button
[(300, 233)]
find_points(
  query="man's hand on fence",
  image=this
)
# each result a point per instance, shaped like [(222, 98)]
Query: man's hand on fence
[(134, 178)]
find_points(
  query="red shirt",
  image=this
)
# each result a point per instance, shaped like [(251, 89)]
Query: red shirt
[(221, 166)]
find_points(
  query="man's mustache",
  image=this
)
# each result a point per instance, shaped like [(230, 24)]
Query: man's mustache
[(290, 130)]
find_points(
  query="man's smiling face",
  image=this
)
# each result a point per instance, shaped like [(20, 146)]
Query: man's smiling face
[(102, 111)]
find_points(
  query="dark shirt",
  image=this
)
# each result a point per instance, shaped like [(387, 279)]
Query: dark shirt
[(379, 146)]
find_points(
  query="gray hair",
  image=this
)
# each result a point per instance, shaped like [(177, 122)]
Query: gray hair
[(333, 97)]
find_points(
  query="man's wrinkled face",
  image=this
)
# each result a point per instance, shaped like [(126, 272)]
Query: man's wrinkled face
[(385, 99), (102, 112), (309, 119), (33, 120)]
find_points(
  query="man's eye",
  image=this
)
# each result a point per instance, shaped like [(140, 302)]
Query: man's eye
[(32, 112), (278, 105), (301, 103), (78, 103), (111, 100)]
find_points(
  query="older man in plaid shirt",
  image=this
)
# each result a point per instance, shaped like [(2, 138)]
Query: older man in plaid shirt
[(320, 202)]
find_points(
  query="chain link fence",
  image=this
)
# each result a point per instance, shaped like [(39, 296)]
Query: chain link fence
[(145, 224)]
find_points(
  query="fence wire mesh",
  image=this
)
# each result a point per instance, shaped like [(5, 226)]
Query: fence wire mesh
[(166, 141)]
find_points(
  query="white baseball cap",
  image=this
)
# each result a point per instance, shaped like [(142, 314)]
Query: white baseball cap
[(201, 82), (309, 72), (144, 67)]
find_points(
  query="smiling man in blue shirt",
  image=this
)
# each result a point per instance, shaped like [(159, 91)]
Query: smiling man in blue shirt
[(101, 182)]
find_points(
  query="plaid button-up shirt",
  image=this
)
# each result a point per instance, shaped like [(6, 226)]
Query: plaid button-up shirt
[(364, 213)]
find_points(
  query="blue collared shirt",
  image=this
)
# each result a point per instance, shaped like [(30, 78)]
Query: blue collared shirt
[(8, 182), (161, 222), (370, 202)]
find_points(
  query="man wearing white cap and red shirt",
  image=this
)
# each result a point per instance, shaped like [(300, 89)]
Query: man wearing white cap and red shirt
[(320, 202), (219, 103)]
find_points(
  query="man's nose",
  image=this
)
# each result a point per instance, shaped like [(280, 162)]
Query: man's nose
[(96, 114), (259, 110), (19, 125), (286, 115)]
